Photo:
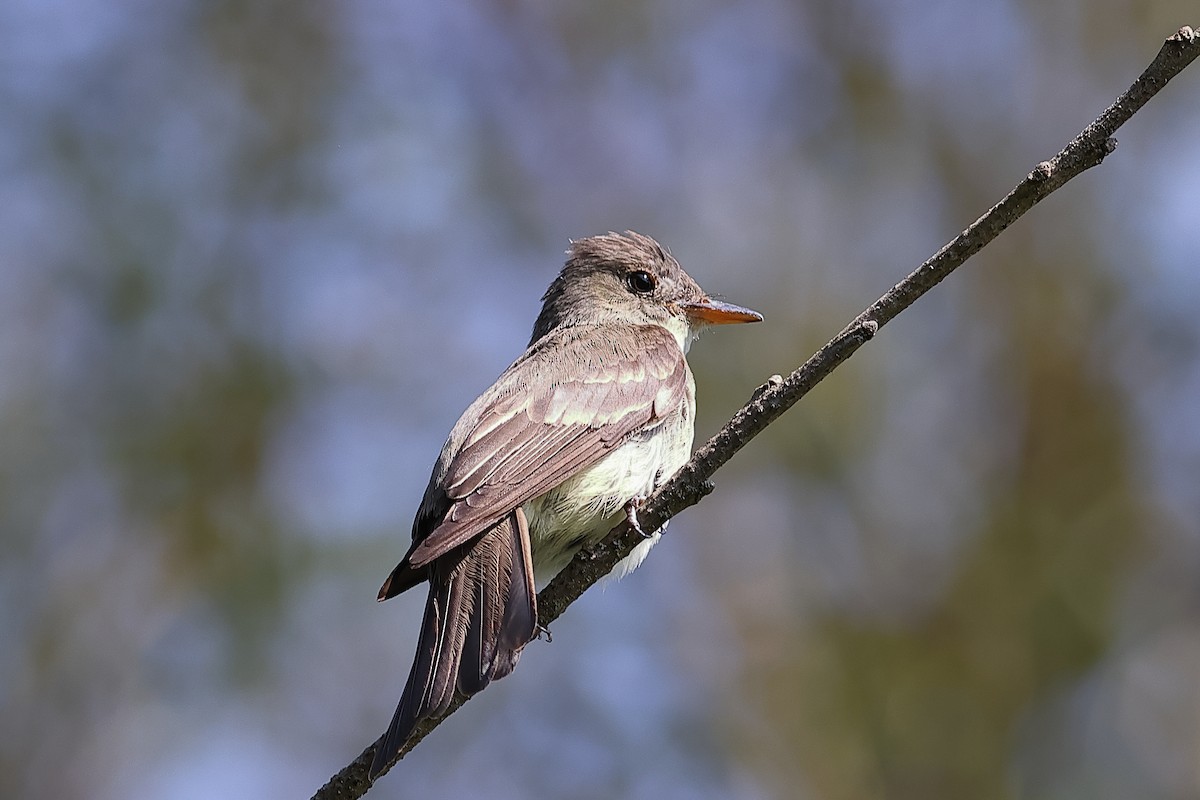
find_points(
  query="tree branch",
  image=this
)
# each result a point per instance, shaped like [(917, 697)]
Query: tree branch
[(688, 486)]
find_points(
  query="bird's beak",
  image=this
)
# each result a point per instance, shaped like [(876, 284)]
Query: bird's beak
[(715, 312)]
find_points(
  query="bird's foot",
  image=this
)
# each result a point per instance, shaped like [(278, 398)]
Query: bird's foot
[(542, 631), (631, 509)]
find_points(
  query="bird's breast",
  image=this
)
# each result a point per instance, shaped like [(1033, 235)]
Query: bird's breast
[(586, 506)]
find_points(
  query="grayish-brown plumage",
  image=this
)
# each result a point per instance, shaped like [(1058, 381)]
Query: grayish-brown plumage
[(596, 413)]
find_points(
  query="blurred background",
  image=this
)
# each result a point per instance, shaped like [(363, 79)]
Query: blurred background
[(257, 257)]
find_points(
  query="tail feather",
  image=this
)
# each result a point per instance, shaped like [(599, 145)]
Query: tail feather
[(447, 660), (480, 612), (519, 624), (480, 643)]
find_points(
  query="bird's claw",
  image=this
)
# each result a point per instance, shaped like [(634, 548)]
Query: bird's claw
[(631, 509), (542, 631)]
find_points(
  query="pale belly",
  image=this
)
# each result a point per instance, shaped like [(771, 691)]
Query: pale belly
[(584, 508)]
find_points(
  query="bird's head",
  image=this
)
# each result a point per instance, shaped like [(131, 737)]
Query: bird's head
[(628, 277)]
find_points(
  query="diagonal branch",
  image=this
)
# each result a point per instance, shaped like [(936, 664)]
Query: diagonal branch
[(688, 486)]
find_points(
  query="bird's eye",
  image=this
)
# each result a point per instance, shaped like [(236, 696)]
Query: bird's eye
[(640, 281)]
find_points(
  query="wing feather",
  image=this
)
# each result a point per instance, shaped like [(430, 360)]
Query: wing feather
[(533, 434)]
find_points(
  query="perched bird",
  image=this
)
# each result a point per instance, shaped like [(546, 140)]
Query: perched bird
[(595, 415)]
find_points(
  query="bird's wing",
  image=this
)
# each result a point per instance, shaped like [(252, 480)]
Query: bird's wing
[(545, 423)]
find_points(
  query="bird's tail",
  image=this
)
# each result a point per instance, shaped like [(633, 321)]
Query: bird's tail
[(481, 611)]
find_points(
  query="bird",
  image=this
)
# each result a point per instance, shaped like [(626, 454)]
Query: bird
[(596, 414)]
